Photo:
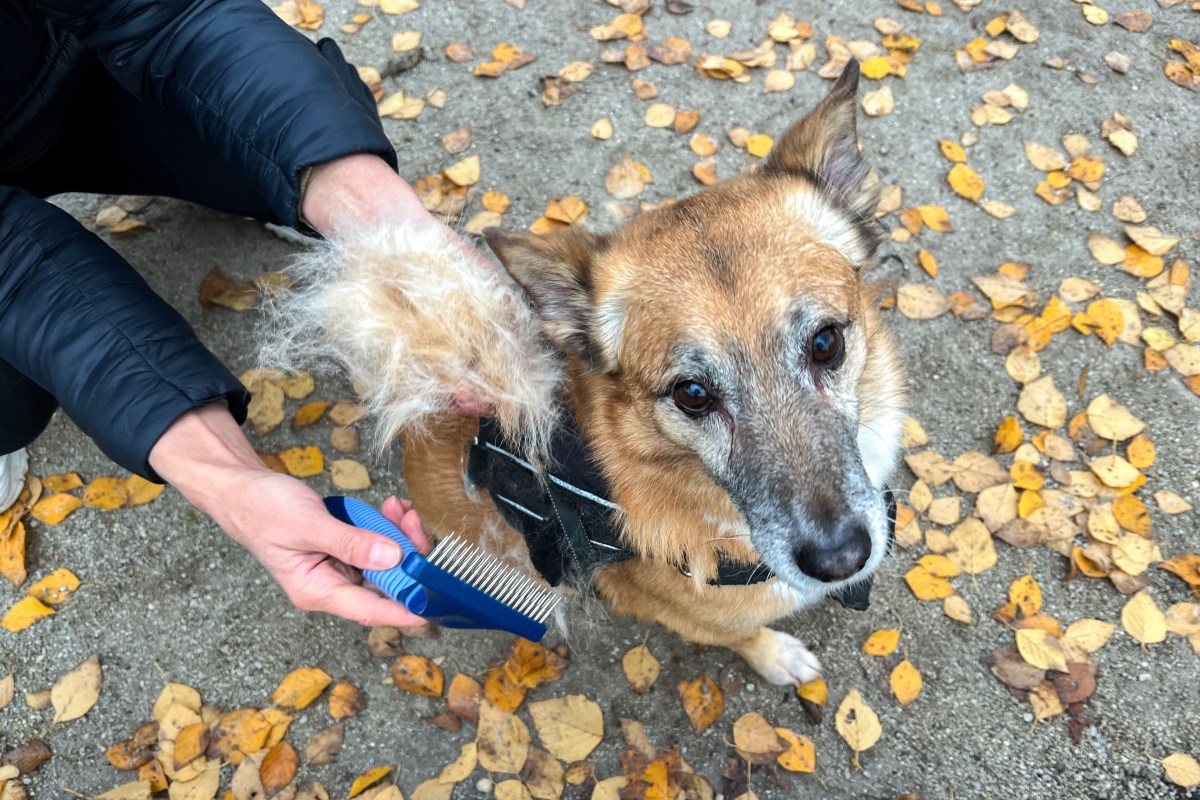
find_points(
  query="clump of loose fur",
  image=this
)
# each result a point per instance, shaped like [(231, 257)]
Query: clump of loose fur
[(413, 322)]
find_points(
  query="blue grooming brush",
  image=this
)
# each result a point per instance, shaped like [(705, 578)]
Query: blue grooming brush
[(458, 585)]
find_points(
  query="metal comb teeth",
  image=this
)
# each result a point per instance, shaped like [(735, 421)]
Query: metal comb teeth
[(492, 577)]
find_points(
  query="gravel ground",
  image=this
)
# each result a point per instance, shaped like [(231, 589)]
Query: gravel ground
[(165, 593)]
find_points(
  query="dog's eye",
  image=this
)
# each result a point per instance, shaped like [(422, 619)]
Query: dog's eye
[(692, 398), (827, 347)]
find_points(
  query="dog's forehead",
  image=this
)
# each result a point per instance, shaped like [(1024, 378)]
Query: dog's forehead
[(742, 254)]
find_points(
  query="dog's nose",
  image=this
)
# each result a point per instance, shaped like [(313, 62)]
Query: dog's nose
[(837, 556)]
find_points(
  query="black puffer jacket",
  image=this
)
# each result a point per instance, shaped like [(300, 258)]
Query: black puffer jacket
[(258, 93)]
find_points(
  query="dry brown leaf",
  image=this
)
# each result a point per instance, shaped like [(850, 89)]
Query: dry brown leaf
[(300, 688), (346, 700), (800, 754), (906, 682), (1041, 649), (278, 768), (945, 510), (641, 668), (921, 301), (74, 694), (1182, 770), (778, 80), (1171, 503), (878, 103), (998, 209), (1127, 209), (1143, 620), (55, 588), (457, 140), (857, 724), (1105, 250), (1114, 471), (882, 642), (418, 674), (1151, 239), (1041, 403), (973, 551), (703, 701), (349, 475), (542, 775), (957, 609), (303, 462), (464, 696), (368, 779), (463, 173), (624, 180), (755, 739), (12, 553), (965, 182), (202, 787), (927, 586), (1023, 365), (325, 745), (1088, 635), (502, 740), (134, 790), (237, 733), (266, 406), (570, 727), (1111, 420), (62, 482), (7, 690), (759, 145), (1044, 158)]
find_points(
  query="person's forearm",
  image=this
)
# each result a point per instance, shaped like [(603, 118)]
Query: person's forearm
[(204, 454)]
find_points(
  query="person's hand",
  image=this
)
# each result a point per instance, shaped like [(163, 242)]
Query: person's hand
[(314, 557), (282, 522), (361, 191)]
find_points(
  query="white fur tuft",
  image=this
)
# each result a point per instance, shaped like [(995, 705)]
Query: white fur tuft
[(412, 321)]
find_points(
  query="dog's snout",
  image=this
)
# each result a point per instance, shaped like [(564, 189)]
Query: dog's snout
[(838, 555)]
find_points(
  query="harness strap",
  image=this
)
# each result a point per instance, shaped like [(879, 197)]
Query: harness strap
[(570, 525)]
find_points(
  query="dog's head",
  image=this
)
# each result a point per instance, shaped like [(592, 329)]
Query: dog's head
[(729, 339)]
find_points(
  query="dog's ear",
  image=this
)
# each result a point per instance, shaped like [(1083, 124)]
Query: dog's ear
[(824, 146), (555, 270)]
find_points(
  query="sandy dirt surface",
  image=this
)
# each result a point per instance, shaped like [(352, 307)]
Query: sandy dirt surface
[(166, 593)]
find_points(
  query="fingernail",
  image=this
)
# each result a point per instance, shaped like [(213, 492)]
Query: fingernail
[(384, 555)]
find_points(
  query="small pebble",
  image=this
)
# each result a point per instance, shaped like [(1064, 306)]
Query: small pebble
[(484, 785)]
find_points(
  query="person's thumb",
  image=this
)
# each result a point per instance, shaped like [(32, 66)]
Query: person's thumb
[(359, 548)]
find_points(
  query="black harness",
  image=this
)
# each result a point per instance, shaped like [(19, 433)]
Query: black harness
[(571, 526)]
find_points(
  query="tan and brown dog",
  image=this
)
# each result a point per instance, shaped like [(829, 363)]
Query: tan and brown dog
[(726, 363)]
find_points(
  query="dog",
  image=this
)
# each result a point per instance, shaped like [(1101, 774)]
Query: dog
[(726, 367)]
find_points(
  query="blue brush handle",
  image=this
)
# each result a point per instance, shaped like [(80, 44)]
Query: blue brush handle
[(395, 582)]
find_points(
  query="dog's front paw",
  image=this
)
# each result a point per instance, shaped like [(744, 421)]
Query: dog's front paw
[(780, 658)]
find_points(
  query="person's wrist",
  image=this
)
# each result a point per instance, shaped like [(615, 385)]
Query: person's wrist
[(357, 191), (204, 455)]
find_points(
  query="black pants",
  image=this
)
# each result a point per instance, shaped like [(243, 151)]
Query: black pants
[(115, 144)]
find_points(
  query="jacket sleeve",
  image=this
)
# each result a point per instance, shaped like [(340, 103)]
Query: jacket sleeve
[(259, 92), (79, 321)]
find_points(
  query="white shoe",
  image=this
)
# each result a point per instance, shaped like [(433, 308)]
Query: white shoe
[(12, 477), (289, 234)]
